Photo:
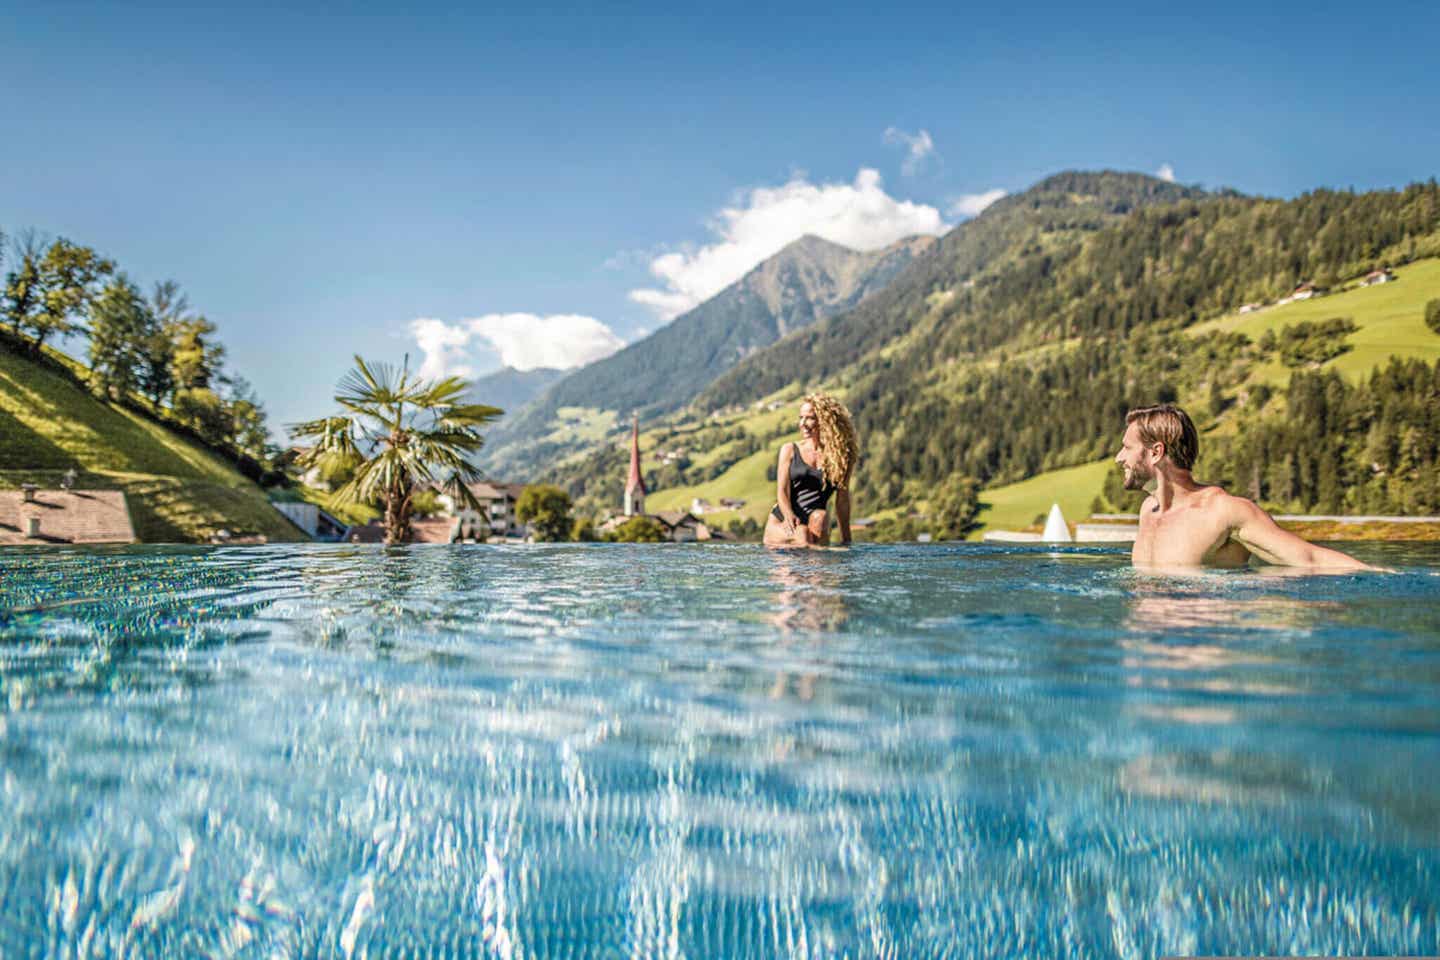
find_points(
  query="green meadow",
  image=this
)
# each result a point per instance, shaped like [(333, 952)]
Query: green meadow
[(1390, 318), (1016, 506)]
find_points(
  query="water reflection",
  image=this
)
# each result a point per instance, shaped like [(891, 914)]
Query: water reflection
[(809, 601), (648, 751)]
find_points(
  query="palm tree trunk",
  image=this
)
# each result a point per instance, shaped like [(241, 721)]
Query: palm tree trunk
[(397, 516)]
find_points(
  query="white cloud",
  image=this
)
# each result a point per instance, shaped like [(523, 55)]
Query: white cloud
[(971, 204), (522, 340), (1166, 173), (859, 215), (918, 148), (525, 341), (444, 347)]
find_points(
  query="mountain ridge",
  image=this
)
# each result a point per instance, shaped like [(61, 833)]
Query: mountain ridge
[(808, 279), (510, 389), (1070, 201), (1016, 346)]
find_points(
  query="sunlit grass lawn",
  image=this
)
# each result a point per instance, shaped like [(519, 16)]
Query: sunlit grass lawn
[(1390, 318), (1016, 506)]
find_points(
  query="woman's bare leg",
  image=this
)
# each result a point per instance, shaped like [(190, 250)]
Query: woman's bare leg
[(778, 534), (817, 529)]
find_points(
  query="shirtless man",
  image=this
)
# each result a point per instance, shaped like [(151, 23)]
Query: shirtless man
[(1186, 523)]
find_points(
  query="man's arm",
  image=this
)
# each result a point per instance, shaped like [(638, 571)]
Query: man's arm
[(842, 510), (1258, 532)]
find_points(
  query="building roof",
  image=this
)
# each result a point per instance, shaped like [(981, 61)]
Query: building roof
[(636, 481), (496, 491), (66, 516), (674, 518)]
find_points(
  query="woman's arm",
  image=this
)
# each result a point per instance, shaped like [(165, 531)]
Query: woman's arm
[(782, 488), (842, 510)]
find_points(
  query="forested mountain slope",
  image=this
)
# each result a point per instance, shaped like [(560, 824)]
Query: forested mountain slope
[(807, 280), (1055, 211), (1015, 364)]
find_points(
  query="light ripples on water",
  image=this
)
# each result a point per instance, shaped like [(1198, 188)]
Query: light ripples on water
[(663, 751)]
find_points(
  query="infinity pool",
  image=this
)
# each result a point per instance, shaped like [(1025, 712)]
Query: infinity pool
[(713, 751)]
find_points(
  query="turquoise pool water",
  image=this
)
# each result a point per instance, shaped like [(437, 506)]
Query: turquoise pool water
[(658, 751)]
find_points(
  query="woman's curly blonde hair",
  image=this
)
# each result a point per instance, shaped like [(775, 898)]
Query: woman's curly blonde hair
[(839, 450)]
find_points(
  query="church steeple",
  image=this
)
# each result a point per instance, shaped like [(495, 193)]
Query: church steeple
[(635, 486)]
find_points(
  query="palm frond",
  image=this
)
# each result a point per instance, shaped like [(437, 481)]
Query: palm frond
[(366, 387), (441, 393), (471, 415), (315, 428)]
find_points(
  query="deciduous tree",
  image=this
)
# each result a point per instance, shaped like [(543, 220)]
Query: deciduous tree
[(120, 324), (546, 509), (68, 274)]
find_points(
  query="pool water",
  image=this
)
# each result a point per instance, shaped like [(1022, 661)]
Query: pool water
[(713, 751)]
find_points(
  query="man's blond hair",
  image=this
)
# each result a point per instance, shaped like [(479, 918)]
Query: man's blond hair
[(1168, 424)]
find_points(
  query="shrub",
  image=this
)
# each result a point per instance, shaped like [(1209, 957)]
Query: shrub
[(637, 530)]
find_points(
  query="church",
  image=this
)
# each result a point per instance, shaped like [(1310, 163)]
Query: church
[(680, 526)]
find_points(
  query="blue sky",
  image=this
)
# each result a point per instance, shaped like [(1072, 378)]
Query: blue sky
[(320, 182)]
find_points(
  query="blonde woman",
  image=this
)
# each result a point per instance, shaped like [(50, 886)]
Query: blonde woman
[(810, 471)]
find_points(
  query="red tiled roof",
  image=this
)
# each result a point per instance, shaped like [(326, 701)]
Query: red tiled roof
[(66, 516)]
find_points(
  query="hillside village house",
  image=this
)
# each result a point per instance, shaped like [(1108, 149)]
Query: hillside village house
[(34, 516), (1304, 291), (1383, 275), (681, 526), (496, 518)]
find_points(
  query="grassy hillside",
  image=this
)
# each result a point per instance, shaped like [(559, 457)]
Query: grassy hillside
[(1390, 323), (1390, 318), (178, 492), (745, 480), (1016, 506)]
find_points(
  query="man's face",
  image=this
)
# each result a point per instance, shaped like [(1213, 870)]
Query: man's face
[(1137, 460)]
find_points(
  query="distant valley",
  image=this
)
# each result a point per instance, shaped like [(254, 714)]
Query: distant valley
[(1009, 349)]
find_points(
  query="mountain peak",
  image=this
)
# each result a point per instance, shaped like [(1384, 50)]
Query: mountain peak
[(1114, 191), (811, 245)]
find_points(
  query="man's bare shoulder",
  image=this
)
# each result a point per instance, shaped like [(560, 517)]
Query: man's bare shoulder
[(1215, 498)]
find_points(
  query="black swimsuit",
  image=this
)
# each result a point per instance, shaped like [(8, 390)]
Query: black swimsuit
[(809, 490)]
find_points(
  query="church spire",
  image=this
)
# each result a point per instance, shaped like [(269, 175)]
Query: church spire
[(635, 486)]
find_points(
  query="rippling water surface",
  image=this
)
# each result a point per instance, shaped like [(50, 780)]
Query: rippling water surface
[(657, 751)]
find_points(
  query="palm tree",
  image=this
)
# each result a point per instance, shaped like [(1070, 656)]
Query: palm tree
[(398, 434)]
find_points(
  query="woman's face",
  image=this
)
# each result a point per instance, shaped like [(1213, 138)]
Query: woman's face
[(809, 425)]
